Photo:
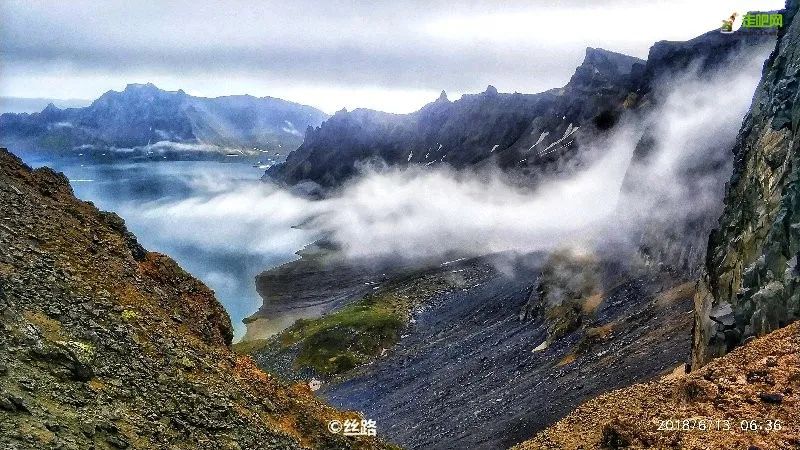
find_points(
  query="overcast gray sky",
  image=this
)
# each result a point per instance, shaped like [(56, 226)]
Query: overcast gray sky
[(388, 55)]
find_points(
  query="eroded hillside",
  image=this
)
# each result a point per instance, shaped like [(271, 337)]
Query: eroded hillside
[(106, 345), (747, 400)]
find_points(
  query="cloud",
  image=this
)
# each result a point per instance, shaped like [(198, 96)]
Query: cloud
[(422, 212), (417, 213), (333, 48), (241, 227), (250, 219), (695, 128)]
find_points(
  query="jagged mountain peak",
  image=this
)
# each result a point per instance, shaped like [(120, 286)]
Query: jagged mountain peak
[(51, 107), (603, 59), (141, 87)]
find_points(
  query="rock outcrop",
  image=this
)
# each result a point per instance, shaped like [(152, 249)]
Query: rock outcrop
[(106, 345), (745, 400), (751, 285)]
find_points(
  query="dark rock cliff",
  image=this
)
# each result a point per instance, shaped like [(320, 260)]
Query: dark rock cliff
[(106, 345), (521, 131), (751, 285)]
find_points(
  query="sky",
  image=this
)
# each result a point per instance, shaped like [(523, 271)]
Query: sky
[(393, 56)]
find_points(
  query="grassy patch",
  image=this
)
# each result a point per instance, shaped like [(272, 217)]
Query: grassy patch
[(338, 342), (567, 360), (570, 288), (250, 347), (676, 294), (594, 336), (129, 315), (563, 319)]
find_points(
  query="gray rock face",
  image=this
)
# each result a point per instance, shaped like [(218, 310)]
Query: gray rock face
[(677, 241), (752, 258), (142, 114)]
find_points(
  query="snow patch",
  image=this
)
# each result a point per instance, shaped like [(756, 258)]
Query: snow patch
[(541, 138)]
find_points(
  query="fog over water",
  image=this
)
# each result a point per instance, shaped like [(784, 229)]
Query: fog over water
[(161, 203), (224, 225)]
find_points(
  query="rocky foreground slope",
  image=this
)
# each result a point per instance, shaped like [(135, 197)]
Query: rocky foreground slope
[(750, 399), (106, 345)]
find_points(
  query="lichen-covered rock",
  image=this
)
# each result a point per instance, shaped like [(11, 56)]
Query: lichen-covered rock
[(751, 262), (753, 386), (105, 345)]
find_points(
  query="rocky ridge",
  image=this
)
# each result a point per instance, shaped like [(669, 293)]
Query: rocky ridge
[(529, 135), (106, 345), (521, 131)]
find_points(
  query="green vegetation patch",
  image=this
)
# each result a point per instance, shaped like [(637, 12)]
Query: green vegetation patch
[(570, 290), (250, 347), (356, 334), (340, 341)]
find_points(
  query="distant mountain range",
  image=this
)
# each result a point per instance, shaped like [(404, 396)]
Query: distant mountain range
[(144, 121), (526, 133)]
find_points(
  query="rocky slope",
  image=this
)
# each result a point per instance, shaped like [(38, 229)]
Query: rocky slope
[(106, 345), (158, 123), (748, 399), (454, 355), (751, 286), (317, 283), (472, 370)]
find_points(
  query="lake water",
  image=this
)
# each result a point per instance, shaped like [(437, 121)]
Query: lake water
[(209, 216)]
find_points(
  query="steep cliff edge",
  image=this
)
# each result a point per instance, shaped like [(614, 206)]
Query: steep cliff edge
[(751, 285), (106, 345)]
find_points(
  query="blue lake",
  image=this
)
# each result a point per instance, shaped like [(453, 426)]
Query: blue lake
[(194, 212)]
